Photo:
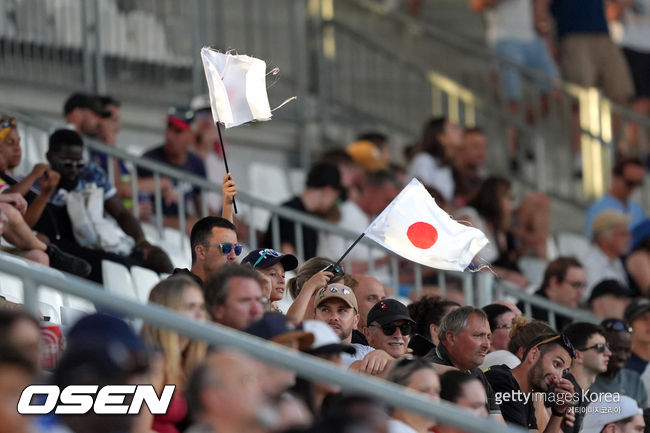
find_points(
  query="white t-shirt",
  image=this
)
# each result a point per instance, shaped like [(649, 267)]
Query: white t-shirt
[(510, 20), (636, 26), (362, 351), (397, 426), (599, 267), (429, 171)]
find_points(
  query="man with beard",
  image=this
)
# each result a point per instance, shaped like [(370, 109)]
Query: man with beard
[(592, 357), (337, 306), (65, 156), (618, 379), (544, 362), (464, 337)]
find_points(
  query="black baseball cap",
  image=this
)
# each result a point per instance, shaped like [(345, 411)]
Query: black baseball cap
[(86, 101), (388, 311), (609, 287), (263, 258), (637, 307)]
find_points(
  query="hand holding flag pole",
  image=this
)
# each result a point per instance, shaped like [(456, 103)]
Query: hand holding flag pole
[(225, 161)]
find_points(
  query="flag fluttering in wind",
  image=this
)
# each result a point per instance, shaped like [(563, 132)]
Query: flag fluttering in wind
[(237, 85), (414, 227)]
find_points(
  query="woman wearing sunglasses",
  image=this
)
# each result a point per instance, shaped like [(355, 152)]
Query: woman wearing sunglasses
[(418, 375), (274, 265)]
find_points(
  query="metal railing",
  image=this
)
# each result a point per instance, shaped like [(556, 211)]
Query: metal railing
[(305, 366), (502, 291), (471, 67)]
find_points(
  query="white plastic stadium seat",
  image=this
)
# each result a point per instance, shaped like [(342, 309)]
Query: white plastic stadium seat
[(80, 304), (270, 183), (117, 279), (69, 316), (573, 244), (11, 287), (143, 281)]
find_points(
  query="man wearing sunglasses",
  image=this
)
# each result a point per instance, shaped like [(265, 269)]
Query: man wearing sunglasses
[(213, 241), (617, 378), (65, 156), (538, 376), (389, 327), (592, 358), (627, 176)]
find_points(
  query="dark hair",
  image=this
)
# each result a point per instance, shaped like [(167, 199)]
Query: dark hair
[(323, 174), (474, 130), (201, 378), (451, 384), (428, 310), (429, 141), (11, 355), (523, 332), (487, 201), (381, 177), (494, 311), (64, 137), (203, 229), (558, 269), (579, 332), (216, 287), (336, 156), (621, 163), (107, 100), (8, 318), (375, 137)]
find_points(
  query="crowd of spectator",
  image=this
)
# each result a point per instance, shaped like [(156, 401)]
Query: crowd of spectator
[(67, 213)]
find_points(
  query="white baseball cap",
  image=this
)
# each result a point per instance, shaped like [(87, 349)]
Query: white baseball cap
[(603, 412), (325, 339)]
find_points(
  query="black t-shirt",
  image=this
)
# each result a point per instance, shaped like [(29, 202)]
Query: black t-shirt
[(420, 345), (579, 407), (187, 272), (516, 409), (288, 232), (359, 338), (540, 313), (439, 355)]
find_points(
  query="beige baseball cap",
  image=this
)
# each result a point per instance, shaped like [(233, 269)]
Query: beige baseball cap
[(339, 291)]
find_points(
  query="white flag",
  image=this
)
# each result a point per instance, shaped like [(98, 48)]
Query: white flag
[(414, 227), (237, 87)]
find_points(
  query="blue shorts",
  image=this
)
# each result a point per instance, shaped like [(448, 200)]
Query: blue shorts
[(534, 55)]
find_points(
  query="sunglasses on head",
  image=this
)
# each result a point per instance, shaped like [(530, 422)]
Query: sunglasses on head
[(227, 247), (390, 328), (600, 348), (616, 325), (264, 253), (8, 122), (559, 339)]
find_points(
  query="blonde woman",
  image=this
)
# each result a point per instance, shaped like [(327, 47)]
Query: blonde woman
[(181, 355)]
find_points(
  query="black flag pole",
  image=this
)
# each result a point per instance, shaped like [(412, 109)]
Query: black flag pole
[(338, 262), (225, 161)]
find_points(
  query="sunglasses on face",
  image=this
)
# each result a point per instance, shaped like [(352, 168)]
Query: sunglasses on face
[(264, 253), (227, 247), (599, 348), (616, 325), (71, 163), (390, 328), (631, 184)]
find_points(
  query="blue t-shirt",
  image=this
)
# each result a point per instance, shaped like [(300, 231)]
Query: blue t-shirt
[(102, 160), (579, 16), (193, 164), (636, 363), (607, 202)]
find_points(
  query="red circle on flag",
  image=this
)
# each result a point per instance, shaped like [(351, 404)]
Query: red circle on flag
[(422, 235)]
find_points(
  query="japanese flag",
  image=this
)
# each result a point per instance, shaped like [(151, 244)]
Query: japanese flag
[(414, 227), (237, 87)]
